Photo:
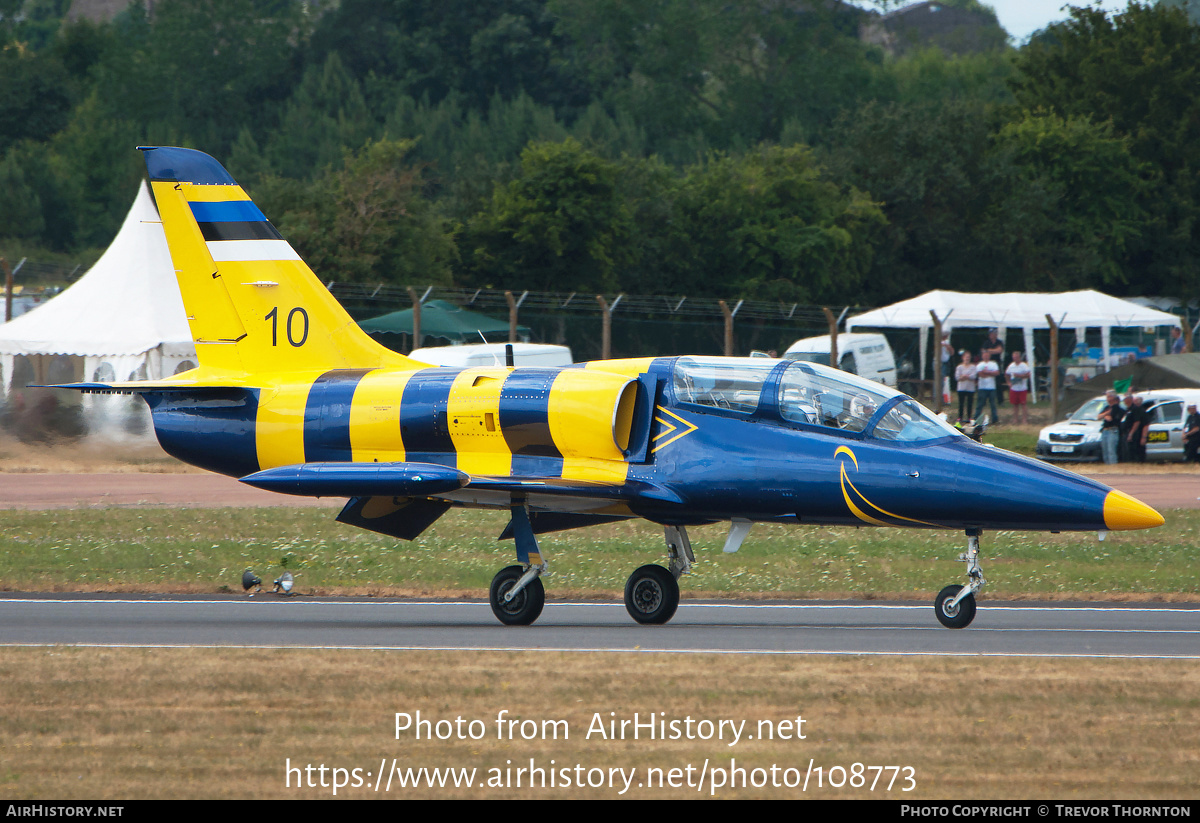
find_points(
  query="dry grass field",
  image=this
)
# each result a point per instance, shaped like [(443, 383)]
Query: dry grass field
[(195, 723)]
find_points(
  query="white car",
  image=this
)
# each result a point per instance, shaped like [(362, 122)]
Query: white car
[(1078, 437), (867, 355)]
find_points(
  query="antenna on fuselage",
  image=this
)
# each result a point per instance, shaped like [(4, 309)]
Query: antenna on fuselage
[(495, 357)]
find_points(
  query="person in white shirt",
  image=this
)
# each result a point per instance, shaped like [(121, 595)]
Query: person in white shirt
[(985, 381), (964, 378), (1018, 374)]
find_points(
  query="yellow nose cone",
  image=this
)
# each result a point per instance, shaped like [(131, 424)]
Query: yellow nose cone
[(1124, 512)]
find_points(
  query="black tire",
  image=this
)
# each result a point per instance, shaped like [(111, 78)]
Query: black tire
[(523, 609), (651, 595), (961, 615)]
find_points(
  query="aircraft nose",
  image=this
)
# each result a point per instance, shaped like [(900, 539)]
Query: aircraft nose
[(1123, 512)]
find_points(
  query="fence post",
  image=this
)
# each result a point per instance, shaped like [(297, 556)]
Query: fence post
[(513, 306), (938, 379), (834, 360), (416, 335), (729, 315), (1053, 369)]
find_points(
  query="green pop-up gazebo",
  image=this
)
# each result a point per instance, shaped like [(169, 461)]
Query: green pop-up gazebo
[(440, 318)]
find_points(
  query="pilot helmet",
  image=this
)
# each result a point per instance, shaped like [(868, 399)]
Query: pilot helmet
[(862, 406)]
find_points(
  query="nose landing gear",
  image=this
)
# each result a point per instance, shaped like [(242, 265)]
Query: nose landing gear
[(955, 605)]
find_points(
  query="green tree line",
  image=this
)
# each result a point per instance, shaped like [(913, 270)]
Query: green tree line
[(756, 149)]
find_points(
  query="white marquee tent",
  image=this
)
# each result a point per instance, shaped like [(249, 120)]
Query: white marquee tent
[(122, 320), (1075, 309)]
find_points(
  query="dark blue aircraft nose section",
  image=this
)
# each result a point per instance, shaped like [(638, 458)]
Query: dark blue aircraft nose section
[(961, 485)]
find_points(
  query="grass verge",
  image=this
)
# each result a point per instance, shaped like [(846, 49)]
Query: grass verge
[(206, 550)]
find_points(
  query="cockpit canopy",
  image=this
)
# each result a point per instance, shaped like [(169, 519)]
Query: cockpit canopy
[(806, 394)]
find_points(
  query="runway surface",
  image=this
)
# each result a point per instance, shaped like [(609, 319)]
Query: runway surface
[(267, 621)]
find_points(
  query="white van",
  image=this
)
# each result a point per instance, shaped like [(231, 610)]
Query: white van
[(492, 354), (867, 355)]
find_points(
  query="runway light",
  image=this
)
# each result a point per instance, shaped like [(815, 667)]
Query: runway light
[(250, 580), (284, 583)]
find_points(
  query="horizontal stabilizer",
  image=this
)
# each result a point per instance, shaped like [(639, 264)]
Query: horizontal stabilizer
[(143, 387), (359, 479)]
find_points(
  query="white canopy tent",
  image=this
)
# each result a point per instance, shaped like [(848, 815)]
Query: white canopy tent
[(1074, 309), (122, 320)]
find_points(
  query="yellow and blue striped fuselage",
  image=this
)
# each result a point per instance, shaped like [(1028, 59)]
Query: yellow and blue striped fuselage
[(572, 424)]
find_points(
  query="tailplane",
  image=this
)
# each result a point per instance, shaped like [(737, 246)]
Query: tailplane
[(253, 305)]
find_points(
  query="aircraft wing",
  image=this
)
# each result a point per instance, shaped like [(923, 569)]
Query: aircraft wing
[(429, 479), (404, 499)]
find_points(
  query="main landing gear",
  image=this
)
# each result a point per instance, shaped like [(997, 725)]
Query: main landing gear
[(955, 605), (651, 593), (517, 595)]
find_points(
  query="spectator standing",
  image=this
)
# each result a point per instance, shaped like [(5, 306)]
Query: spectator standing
[(1177, 341), (964, 378), (985, 383), (1191, 435), (1110, 427), (994, 346), (1126, 422), (1139, 429), (1018, 375)]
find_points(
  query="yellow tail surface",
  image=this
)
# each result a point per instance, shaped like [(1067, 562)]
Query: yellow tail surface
[(253, 305)]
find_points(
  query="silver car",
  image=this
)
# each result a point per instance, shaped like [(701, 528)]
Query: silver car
[(1078, 437)]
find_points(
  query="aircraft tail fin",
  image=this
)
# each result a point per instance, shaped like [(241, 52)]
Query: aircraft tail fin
[(253, 305)]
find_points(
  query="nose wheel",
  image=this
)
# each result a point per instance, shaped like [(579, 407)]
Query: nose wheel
[(951, 614), (955, 605)]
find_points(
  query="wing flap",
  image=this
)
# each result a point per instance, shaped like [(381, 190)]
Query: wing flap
[(630, 490)]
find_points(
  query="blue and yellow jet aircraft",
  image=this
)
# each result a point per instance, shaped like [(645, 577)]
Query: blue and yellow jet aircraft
[(290, 395)]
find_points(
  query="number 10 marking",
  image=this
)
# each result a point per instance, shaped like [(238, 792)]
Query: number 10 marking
[(273, 316)]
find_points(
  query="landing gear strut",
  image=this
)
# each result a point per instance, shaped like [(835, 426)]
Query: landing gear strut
[(955, 605), (516, 594), (652, 592)]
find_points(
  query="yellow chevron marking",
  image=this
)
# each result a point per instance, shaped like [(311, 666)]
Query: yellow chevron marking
[(855, 510), (671, 427)]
